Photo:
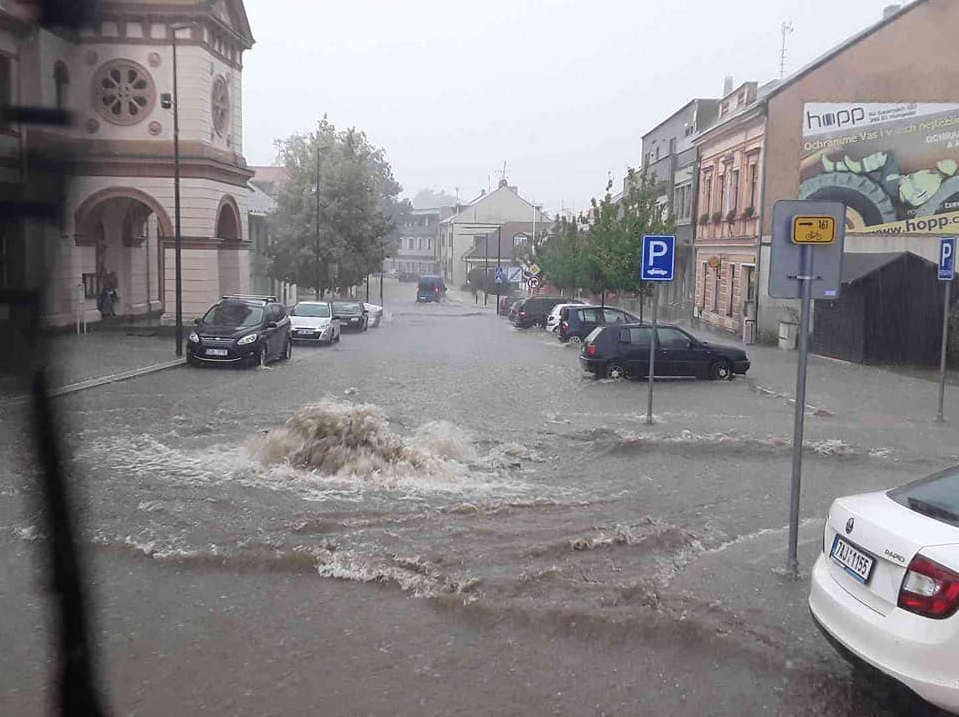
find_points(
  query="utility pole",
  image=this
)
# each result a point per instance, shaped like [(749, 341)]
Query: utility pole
[(316, 237), (499, 249), (786, 29), (177, 234)]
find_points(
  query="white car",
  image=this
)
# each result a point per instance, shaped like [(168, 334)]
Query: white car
[(375, 314), (313, 321), (552, 321), (885, 590)]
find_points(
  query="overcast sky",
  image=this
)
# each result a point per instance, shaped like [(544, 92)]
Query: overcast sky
[(562, 90)]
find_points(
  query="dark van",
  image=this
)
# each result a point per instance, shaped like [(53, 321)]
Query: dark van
[(430, 288), (533, 311), (577, 322)]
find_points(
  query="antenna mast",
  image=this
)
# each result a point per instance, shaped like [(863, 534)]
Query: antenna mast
[(786, 29)]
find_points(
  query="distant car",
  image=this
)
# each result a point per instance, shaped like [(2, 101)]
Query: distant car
[(254, 330), (578, 322), (430, 288), (552, 321), (374, 314), (351, 314), (312, 321), (533, 311), (885, 589), (622, 351)]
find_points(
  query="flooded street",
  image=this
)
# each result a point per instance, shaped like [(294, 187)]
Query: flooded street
[(448, 502)]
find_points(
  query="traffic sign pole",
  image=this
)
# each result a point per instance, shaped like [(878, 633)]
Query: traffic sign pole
[(805, 278), (652, 356), (942, 356)]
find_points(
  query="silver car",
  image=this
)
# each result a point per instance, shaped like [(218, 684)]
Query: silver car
[(375, 314), (312, 321)]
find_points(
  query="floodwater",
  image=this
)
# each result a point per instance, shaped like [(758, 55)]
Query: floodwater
[(464, 463)]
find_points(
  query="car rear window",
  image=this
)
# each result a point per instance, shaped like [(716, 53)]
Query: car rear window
[(936, 496), (594, 334)]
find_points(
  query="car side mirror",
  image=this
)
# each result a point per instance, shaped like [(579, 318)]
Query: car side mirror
[(196, 321), (271, 324), (365, 312)]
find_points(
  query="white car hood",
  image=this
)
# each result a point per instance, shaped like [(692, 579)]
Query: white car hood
[(309, 322)]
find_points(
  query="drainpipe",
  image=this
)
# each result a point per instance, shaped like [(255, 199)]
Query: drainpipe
[(762, 211)]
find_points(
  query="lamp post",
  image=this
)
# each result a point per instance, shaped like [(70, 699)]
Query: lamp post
[(177, 237)]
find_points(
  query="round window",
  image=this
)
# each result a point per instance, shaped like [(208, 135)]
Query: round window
[(220, 105), (123, 92)]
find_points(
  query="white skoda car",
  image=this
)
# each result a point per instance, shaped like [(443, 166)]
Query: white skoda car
[(885, 590)]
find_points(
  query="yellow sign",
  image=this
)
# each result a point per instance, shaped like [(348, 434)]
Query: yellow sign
[(814, 230)]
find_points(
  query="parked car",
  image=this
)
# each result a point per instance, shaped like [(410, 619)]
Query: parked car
[(885, 589), (241, 329), (552, 321), (514, 309), (351, 315), (430, 288), (312, 321), (374, 314), (577, 322), (533, 311), (622, 351)]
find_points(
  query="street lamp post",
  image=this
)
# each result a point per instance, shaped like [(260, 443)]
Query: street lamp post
[(177, 235)]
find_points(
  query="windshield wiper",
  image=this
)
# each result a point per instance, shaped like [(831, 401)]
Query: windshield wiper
[(933, 511)]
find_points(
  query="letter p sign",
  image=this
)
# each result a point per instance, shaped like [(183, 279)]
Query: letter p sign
[(659, 258), (947, 258)]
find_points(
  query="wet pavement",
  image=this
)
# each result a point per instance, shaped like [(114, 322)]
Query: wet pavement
[(449, 508)]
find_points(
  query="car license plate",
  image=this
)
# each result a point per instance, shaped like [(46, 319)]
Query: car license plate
[(217, 352), (856, 562), (354, 320), (303, 332)]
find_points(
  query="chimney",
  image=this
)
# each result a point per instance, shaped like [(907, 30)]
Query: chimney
[(502, 183), (890, 10), (727, 85)]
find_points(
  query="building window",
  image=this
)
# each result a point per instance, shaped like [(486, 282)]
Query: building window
[(123, 92), (429, 244), (707, 194), (734, 192), (672, 145), (657, 153), (702, 303), (61, 82), (753, 183), (731, 284), (723, 195), (220, 105), (716, 288)]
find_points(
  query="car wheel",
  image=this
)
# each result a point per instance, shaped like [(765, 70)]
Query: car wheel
[(721, 370), (575, 340), (615, 371), (288, 351)]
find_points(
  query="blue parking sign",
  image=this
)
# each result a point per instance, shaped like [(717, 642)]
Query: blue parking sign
[(659, 258), (947, 258)]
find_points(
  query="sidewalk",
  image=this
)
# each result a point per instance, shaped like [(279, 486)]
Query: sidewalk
[(74, 360)]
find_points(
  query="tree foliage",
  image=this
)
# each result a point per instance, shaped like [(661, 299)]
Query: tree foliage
[(359, 209), (604, 252)]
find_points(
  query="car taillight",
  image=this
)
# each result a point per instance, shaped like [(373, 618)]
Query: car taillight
[(522, 313), (590, 349), (563, 325), (929, 589)]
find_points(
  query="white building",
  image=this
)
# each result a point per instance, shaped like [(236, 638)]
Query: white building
[(118, 155), (460, 233)]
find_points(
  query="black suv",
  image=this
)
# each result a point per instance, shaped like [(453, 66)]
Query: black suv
[(534, 311), (578, 322), (241, 329), (623, 352)]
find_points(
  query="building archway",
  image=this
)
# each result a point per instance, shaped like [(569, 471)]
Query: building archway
[(120, 231), (228, 220)]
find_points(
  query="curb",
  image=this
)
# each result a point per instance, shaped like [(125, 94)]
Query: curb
[(114, 378)]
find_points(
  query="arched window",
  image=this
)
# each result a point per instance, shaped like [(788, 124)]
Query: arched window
[(61, 81), (228, 220)]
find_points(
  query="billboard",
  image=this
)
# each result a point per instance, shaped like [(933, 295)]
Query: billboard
[(894, 165)]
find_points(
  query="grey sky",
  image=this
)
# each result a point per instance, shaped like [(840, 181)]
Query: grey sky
[(561, 90)]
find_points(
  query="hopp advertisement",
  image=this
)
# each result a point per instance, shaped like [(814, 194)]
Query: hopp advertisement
[(895, 166)]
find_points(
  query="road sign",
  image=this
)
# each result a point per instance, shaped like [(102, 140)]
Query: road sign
[(499, 275), (947, 258), (514, 274), (533, 282), (659, 258), (534, 269), (814, 230), (785, 261)]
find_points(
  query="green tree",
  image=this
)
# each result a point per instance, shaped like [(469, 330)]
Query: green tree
[(331, 239)]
